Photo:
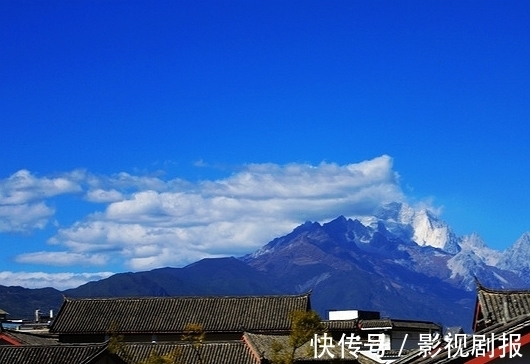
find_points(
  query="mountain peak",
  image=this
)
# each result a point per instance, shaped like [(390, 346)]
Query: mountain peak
[(306, 226), (389, 211), (474, 243), (420, 225), (280, 242), (524, 239), (340, 224), (429, 230), (522, 245), (517, 257)]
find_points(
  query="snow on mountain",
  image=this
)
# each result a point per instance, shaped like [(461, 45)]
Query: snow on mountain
[(517, 257), (464, 266), (418, 225), (475, 244), (475, 259), (460, 259), (417, 240), (429, 230)]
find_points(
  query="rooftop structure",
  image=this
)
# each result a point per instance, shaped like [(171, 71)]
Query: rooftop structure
[(92, 320)]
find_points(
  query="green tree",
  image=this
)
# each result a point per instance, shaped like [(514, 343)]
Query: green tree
[(304, 325)]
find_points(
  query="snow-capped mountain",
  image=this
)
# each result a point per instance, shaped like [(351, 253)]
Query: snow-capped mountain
[(418, 240), (517, 258), (400, 254), (464, 257), (418, 225), (474, 243)]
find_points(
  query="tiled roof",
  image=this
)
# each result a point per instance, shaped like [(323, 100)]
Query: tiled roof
[(422, 325), (375, 324), (28, 338), (234, 352), (261, 345), (352, 325), (498, 306), (347, 325), (172, 314), (57, 354)]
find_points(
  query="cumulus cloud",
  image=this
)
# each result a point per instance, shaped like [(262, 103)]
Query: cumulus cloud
[(176, 222), (23, 187), (22, 195), (24, 217), (59, 281), (24, 204)]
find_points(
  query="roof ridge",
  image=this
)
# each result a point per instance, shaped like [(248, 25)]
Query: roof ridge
[(183, 343), (64, 345), (504, 290), (481, 287), (132, 298)]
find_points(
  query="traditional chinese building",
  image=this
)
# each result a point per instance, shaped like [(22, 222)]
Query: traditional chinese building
[(165, 318), (18, 338), (229, 352), (499, 306), (239, 330), (58, 354)]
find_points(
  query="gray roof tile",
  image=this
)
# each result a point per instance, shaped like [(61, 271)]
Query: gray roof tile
[(235, 352), (498, 306), (28, 338), (172, 314), (47, 354)]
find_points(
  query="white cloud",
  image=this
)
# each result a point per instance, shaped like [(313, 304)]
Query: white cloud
[(22, 195), (23, 187), (59, 281), (174, 222), (62, 258), (104, 196), (24, 217), (125, 181)]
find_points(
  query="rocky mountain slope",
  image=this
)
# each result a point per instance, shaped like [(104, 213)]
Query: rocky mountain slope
[(405, 263)]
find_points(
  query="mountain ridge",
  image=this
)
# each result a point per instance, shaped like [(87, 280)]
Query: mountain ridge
[(375, 263)]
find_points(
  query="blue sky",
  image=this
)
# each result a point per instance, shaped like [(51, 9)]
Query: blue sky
[(139, 134)]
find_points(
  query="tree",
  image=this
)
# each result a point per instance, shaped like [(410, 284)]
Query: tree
[(194, 335), (116, 343), (156, 358), (304, 325)]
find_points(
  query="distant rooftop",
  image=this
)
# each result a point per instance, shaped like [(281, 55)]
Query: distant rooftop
[(172, 314)]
